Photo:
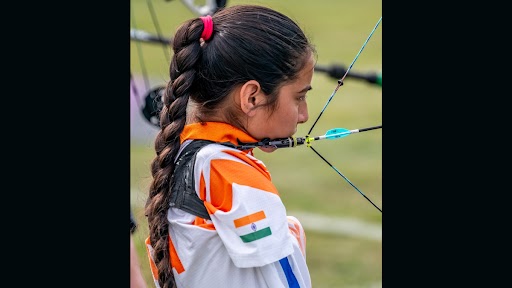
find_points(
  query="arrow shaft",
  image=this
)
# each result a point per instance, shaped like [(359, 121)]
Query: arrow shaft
[(345, 133), (290, 142), (369, 128)]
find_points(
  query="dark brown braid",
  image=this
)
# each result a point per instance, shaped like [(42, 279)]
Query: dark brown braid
[(248, 43), (186, 47)]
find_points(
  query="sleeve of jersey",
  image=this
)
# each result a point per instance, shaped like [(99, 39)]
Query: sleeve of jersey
[(246, 210)]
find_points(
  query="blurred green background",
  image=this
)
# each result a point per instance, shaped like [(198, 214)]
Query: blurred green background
[(306, 183)]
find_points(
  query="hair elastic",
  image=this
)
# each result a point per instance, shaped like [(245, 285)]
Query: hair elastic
[(208, 27)]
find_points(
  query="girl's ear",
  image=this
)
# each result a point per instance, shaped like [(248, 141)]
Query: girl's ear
[(251, 96)]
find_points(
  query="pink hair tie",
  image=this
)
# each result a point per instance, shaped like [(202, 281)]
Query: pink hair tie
[(208, 27)]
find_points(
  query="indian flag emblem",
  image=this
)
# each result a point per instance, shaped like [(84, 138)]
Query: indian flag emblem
[(249, 221)]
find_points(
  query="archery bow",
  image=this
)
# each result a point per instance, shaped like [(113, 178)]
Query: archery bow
[(340, 82)]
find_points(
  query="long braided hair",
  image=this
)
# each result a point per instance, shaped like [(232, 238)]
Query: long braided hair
[(249, 42)]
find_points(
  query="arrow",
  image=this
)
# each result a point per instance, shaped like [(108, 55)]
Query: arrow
[(340, 133), (289, 142)]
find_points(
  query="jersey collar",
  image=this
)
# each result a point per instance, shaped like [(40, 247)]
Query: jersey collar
[(215, 131)]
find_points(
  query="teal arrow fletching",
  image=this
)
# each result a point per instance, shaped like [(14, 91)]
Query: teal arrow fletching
[(336, 133)]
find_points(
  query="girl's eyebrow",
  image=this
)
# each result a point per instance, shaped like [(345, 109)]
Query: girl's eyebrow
[(306, 89)]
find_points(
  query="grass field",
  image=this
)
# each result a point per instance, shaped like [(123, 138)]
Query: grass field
[(306, 183)]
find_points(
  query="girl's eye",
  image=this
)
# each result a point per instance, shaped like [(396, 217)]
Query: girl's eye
[(302, 98)]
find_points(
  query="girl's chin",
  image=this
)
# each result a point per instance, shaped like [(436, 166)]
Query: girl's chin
[(268, 149)]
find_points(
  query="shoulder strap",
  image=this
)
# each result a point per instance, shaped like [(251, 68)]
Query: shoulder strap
[(183, 194)]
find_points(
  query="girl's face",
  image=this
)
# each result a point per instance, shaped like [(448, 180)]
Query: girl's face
[(291, 110)]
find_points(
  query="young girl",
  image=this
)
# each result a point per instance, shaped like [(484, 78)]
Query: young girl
[(215, 218)]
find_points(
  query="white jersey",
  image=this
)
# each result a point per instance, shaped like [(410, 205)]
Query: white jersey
[(249, 242)]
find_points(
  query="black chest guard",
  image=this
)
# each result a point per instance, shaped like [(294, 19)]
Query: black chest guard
[(183, 194)]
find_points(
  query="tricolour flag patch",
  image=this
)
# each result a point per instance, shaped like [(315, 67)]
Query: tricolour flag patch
[(250, 220)]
